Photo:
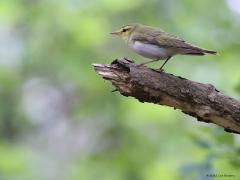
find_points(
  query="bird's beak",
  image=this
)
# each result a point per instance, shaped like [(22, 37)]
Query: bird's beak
[(115, 33)]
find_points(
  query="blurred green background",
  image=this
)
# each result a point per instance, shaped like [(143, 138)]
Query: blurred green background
[(60, 120)]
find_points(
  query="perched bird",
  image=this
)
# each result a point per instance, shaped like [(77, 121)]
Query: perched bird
[(156, 44)]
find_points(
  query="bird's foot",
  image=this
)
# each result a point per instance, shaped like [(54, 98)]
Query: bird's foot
[(158, 70), (129, 60), (140, 65)]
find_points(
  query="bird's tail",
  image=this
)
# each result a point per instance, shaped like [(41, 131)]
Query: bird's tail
[(209, 52), (197, 51)]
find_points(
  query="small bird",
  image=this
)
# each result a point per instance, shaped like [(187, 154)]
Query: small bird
[(153, 43)]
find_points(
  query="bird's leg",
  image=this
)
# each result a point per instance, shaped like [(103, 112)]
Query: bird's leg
[(148, 62), (161, 68)]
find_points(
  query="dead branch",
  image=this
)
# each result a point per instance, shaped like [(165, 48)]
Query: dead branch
[(202, 101)]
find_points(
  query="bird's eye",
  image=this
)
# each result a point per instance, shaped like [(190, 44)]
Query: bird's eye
[(124, 30)]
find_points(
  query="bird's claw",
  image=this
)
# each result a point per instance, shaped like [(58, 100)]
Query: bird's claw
[(140, 65), (158, 70)]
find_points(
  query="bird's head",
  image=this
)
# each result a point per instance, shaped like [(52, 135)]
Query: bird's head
[(125, 31)]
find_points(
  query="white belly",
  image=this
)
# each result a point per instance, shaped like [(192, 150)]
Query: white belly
[(151, 51)]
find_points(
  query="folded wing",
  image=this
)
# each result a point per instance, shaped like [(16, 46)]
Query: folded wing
[(162, 39)]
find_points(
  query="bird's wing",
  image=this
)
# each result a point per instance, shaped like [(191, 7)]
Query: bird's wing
[(168, 40), (162, 39)]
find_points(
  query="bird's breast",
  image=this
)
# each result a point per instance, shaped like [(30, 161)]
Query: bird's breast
[(150, 50)]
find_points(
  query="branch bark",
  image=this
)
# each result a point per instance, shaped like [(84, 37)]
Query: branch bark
[(202, 101)]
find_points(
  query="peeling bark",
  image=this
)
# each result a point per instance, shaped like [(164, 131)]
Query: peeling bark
[(202, 101)]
